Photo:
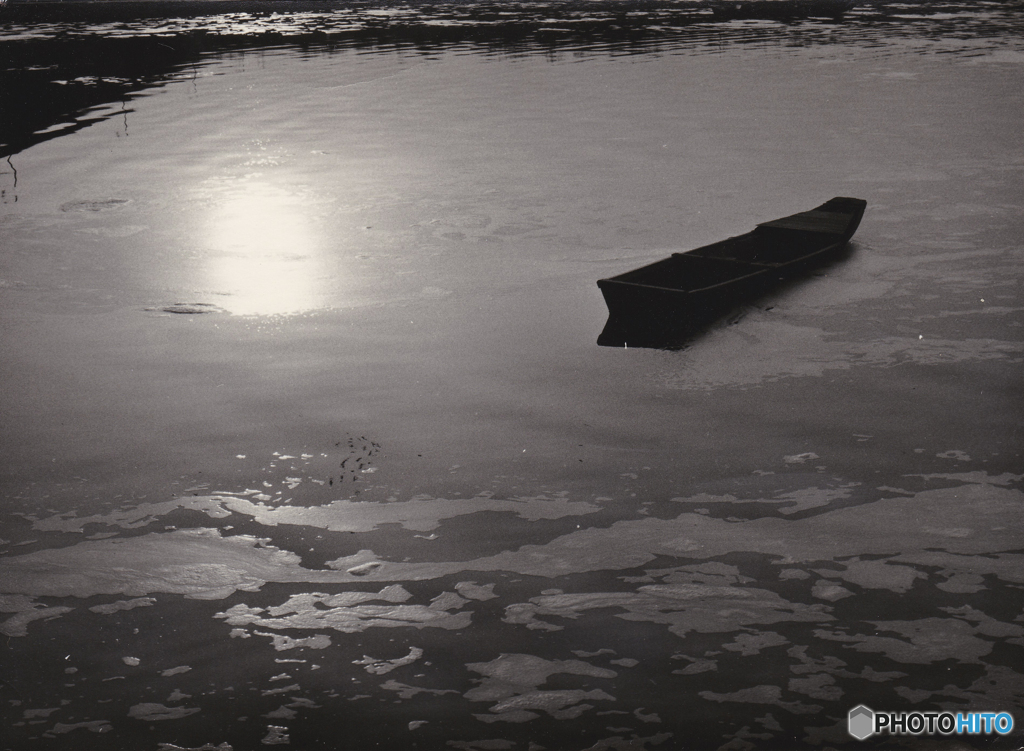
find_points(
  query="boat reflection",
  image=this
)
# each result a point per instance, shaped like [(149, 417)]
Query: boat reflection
[(9, 195), (263, 254)]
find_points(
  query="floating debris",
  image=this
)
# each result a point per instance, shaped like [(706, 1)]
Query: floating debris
[(277, 735), (283, 642), (800, 458), (380, 667), (150, 712), (99, 205), (365, 568), (475, 591), (189, 308)]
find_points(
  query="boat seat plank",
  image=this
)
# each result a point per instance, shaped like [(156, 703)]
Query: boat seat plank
[(731, 260), (813, 221)]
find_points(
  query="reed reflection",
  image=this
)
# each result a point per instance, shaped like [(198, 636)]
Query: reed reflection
[(9, 194), (264, 255)]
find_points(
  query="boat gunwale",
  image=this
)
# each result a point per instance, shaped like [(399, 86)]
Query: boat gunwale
[(758, 269), (679, 290)]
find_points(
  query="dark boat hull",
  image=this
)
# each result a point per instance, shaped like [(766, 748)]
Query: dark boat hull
[(663, 303)]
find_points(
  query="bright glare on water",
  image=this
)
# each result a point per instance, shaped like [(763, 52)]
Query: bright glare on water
[(263, 256)]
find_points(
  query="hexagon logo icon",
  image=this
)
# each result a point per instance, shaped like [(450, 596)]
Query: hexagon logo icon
[(861, 722)]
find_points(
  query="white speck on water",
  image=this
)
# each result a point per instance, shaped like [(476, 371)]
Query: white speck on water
[(800, 458)]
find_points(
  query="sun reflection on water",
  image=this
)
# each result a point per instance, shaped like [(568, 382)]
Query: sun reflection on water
[(265, 256)]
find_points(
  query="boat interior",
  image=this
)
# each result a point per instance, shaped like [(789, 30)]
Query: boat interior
[(730, 260), (767, 246)]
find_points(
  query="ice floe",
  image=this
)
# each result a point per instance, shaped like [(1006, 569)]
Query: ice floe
[(512, 682), (682, 607), (350, 612), (419, 514), (119, 605)]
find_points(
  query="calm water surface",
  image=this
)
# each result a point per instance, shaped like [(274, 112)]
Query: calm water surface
[(308, 442)]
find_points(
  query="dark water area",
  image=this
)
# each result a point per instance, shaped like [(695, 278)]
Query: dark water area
[(308, 440)]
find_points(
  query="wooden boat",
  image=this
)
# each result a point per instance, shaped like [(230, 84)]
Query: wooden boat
[(658, 304)]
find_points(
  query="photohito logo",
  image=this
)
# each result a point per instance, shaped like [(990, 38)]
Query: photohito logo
[(863, 722)]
